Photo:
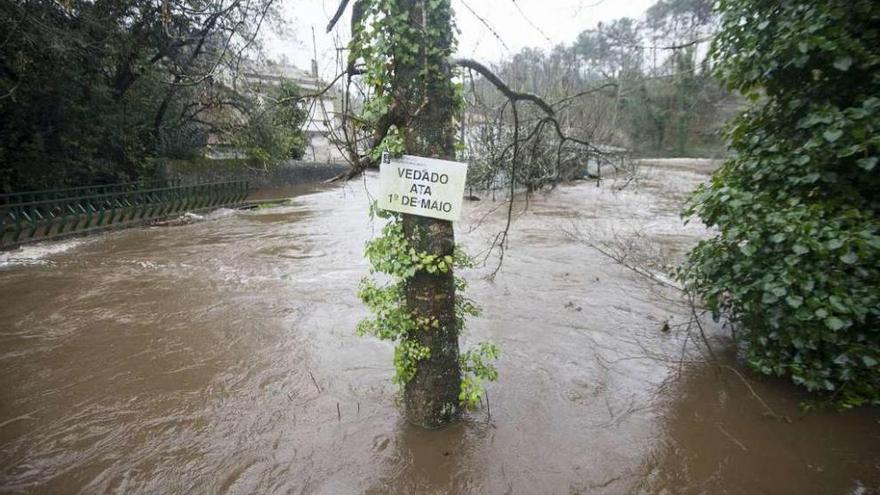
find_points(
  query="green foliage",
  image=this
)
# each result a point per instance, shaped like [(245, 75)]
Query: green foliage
[(675, 114), (100, 92), (796, 262), (392, 254), (392, 144), (389, 43), (63, 118), (406, 355), (386, 39), (476, 366), (272, 130)]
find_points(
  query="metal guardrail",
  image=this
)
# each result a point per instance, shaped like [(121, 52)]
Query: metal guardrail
[(76, 192), (42, 215)]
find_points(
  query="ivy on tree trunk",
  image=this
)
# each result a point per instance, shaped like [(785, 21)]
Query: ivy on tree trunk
[(431, 397), (406, 48)]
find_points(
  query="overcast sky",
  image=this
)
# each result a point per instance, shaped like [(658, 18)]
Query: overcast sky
[(537, 23)]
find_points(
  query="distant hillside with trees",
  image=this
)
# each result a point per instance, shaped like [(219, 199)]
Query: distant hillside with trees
[(645, 85)]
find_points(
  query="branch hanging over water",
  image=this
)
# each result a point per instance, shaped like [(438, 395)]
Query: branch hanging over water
[(496, 81)]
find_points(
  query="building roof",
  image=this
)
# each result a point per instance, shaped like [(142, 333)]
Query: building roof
[(274, 72)]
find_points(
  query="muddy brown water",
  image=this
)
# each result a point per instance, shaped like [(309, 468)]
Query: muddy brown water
[(220, 357)]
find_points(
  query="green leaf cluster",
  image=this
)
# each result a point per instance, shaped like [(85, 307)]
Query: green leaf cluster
[(476, 366), (796, 261), (386, 39), (390, 253), (392, 144)]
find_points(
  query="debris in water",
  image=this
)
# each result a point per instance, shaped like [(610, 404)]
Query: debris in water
[(185, 219)]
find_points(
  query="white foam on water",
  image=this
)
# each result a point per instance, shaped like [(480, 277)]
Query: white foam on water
[(216, 214), (194, 216), (36, 254)]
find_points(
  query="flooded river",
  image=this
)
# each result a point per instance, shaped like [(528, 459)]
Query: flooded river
[(220, 357)]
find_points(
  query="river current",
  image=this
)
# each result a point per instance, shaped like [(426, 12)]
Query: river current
[(220, 357)]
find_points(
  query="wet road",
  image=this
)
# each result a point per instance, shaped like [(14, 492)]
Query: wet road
[(220, 357)]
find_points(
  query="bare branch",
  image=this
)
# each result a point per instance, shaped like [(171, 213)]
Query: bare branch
[(535, 26), (339, 11), (679, 46), (504, 88), (585, 93)]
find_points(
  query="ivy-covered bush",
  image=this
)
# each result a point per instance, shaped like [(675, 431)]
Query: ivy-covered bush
[(796, 260)]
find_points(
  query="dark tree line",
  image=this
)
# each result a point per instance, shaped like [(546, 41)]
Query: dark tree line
[(102, 91)]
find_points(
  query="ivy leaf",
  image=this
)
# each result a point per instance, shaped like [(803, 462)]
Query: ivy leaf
[(800, 249), (802, 160), (869, 361), (849, 258), (804, 314), (838, 304), (832, 135), (833, 244), (867, 163), (834, 323), (843, 63)]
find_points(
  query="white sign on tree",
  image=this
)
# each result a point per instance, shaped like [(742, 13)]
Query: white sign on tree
[(422, 186)]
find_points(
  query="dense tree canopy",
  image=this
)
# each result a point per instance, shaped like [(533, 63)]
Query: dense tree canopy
[(98, 91)]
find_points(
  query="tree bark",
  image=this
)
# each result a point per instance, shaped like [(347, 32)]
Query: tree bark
[(431, 396), (428, 102)]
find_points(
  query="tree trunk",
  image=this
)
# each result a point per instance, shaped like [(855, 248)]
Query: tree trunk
[(431, 396), (427, 103)]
